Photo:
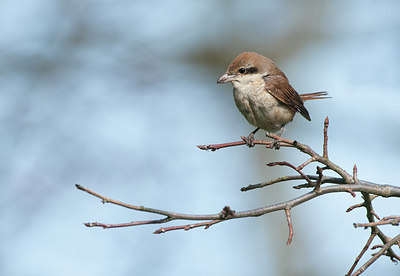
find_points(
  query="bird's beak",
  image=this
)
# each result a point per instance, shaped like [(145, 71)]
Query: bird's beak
[(226, 78)]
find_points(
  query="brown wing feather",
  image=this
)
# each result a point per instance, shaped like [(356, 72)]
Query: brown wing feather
[(314, 96), (280, 88)]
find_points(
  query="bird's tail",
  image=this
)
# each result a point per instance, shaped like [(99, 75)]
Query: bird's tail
[(314, 96)]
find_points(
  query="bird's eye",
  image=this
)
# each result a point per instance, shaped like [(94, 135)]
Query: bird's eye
[(242, 70)]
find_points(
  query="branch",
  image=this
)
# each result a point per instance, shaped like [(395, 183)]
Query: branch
[(344, 183), (361, 254), (289, 221), (214, 147), (243, 214), (293, 143), (385, 248), (325, 147), (393, 220)]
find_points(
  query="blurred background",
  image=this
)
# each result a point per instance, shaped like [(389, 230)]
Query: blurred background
[(115, 96)]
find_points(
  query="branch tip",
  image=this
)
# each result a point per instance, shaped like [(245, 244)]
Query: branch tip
[(355, 170), (289, 221), (79, 187), (325, 146)]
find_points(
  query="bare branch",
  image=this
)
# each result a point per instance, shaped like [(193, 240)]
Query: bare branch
[(215, 147), (385, 248), (362, 187), (344, 183), (284, 163), (371, 237), (393, 220)]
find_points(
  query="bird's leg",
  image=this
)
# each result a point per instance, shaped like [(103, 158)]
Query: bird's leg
[(250, 138), (277, 144)]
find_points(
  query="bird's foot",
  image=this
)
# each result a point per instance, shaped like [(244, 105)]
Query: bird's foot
[(250, 140), (276, 144)]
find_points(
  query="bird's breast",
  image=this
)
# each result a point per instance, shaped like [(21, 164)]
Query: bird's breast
[(260, 108)]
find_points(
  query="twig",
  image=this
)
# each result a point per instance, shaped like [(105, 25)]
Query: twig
[(374, 229), (127, 224), (325, 147), (284, 163), (289, 221), (371, 237), (309, 161), (187, 227), (319, 180), (393, 220), (274, 181), (355, 173), (385, 248), (215, 147)]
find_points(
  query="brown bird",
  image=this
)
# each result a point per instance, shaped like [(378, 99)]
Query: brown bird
[(263, 94)]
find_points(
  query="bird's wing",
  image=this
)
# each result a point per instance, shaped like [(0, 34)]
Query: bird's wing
[(280, 88)]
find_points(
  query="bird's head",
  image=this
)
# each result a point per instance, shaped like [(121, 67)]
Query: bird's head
[(247, 66)]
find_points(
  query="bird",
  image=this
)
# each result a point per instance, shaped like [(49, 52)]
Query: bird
[(263, 94)]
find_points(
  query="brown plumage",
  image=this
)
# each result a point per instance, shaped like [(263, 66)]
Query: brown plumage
[(263, 94)]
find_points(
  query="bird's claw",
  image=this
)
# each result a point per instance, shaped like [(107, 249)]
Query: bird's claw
[(276, 144), (250, 140)]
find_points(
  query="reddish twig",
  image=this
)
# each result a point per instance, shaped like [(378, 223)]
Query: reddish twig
[(351, 208), (289, 221), (302, 166), (215, 147), (284, 163)]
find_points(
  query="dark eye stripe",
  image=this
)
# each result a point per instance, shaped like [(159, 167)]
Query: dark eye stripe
[(252, 70)]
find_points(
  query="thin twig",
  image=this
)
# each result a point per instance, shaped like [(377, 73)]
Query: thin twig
[(127, 224), (284, 163), (319, 180), (187, 227), (289, 221), (393, 220), (302, 166), (273, 181), (385, 248), (365, 248), (325, 147), (215, 147)]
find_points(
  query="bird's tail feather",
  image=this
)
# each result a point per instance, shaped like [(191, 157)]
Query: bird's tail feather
[(314, 96)]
